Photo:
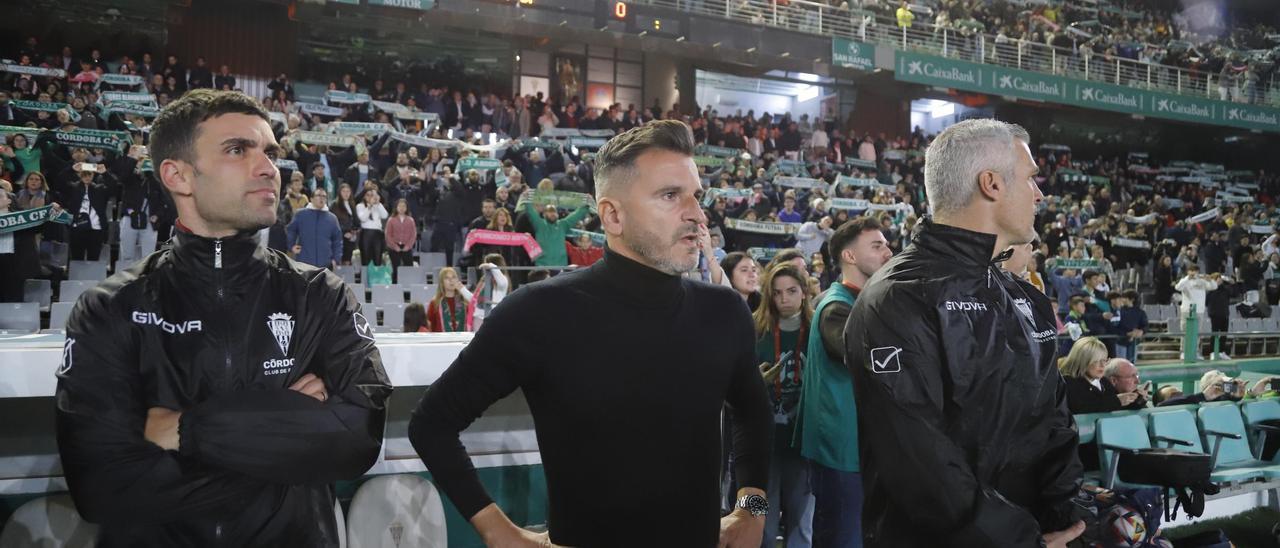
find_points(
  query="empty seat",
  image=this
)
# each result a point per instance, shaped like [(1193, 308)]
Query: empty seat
[(1253, 324), (422, 294), (50, 521), (406, 275), (1119, 433), (70, 290), (399, 510), (19, 317), (1254, 413), (87, 270), (432, 261), (1180, 425), (58, 314), (347, 273), (1222, 431), (392, 317), (386, 294), (38, 291)]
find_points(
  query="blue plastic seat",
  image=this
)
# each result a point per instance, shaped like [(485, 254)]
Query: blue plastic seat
[(1177, 429), (1254, 413), (1222, 430), (1117, 433)]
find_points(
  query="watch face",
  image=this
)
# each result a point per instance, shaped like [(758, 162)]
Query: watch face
[(755, 504)]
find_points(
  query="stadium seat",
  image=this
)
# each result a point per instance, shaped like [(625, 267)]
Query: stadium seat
[(87, 270), (1117, 433), (422, 294), (397, 510), (38, 291), (19, 317), (70, 290), (1254, 413), (392, 317), (58, 314), (1223, 433), (48, 522), (406, 275), (431, 262), (386, 294), (1181, 425), (347, 273)]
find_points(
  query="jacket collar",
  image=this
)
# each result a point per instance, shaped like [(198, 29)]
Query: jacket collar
[(951, 243), (199, 256), (639, 284)]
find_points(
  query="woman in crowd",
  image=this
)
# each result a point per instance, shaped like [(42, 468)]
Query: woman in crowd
[(279, 102), (1162, 280), (493, 286), (1088, 391), (344, 208), (782, 325), (372, 215), (450, 310), (415, 319), (743, 276), (401, 235), (20, 154), (296, 195), (19, 258)]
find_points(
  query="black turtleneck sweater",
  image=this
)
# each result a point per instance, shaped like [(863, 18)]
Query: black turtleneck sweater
[(626, 370)]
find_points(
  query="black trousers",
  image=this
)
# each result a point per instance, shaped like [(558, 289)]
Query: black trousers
[(372, 244), (86, 244)]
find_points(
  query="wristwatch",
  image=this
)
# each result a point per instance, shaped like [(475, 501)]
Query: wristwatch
[(755, 504)]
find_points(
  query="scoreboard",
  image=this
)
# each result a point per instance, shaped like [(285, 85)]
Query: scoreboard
[(635, 18)]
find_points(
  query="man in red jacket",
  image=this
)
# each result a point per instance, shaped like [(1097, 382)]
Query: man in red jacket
[(582, 252)]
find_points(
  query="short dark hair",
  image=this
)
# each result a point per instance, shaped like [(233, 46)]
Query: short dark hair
[(1113, 295), (786, 256), (848, 233), (619, 154), (1076, 300), (1131, 294), (174, 133), (1090, 274)]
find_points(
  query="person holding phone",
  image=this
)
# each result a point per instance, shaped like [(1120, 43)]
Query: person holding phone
[(1124, 377), (1217, 386)]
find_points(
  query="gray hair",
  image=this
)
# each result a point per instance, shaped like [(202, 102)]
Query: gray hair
[(961, 153), (1113, 367), (615, 160)]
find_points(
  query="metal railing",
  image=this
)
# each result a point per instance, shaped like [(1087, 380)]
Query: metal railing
[(870, 27)]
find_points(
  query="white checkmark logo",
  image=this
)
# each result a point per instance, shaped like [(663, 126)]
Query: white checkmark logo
[(885, 359), (362, 326)]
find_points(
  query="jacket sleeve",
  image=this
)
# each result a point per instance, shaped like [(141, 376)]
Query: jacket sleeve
[(574, 217), (291, 231), (115, 475), (831, 326), (907, 443), (284, 436)]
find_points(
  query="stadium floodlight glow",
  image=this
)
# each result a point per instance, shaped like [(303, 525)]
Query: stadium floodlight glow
[(806, 77), (938, 109), (808, 92)]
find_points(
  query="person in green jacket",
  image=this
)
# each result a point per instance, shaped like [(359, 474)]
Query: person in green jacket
[(550, 230), (21, 153), (827, 422)]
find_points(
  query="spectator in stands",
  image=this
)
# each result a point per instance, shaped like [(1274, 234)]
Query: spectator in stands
[(1217, 305), (319, 180), (905, 17), (344, 208), (826, 425), (744, 276), (583, 252), (1194, 288), (360, 172), (1088, 389), (492, 288), (401, 235), (314, 235), (782, 325), (450, 310), (1162, 280), (296, 195), (1065, 286), (224, 80), (415, 319), (487, 209), (18, 153), (87, 204), (1215, 385), (373, 215), (550, 231), (19, 258), (1124, 378), (1131, 327)]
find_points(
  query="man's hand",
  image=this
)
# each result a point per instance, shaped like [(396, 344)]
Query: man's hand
[(740, 529), (498, 531), (297, 248), (162, 427), (1059, 539), (311, 385), (1106, 315), (1128, 397)]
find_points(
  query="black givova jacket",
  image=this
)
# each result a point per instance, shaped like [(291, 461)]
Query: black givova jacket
[(217, 329), (965, 436)]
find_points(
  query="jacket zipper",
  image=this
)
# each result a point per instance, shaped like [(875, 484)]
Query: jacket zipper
[(217, 265)]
